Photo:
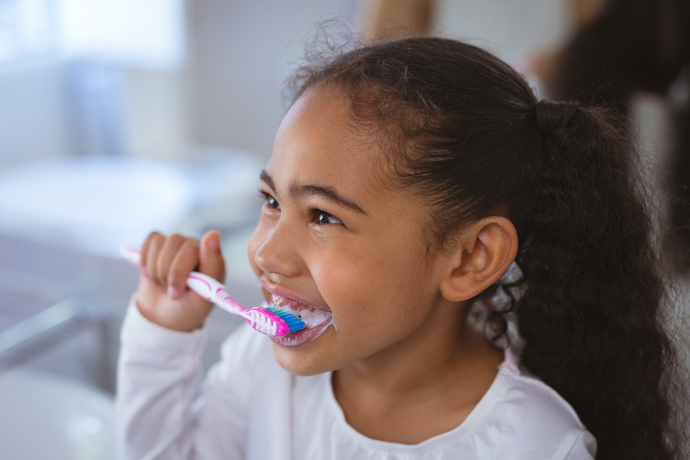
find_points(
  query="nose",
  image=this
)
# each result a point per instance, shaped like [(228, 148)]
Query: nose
[(277, 249)]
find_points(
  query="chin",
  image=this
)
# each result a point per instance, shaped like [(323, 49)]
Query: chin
[(296, 363)]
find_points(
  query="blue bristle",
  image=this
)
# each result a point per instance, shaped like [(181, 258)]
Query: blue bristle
[(293, 322)]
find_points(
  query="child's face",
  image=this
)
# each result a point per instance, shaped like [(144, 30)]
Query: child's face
[(332, 235)]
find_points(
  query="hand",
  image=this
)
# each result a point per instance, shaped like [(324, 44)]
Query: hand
[(163, 296)]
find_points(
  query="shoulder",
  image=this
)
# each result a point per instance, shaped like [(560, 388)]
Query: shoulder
[(525, 408), (538, 404)]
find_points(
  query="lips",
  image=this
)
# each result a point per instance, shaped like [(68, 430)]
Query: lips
[(316, 320), (304, 336)]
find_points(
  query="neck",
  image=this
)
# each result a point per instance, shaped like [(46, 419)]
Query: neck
[(431, 381)]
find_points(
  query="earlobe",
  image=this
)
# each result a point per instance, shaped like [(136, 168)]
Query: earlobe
[(486, 251)]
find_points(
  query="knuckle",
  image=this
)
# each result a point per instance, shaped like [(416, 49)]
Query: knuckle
[(177, 276), (191, 245), (156, 242), (154, 237), (177, 238)]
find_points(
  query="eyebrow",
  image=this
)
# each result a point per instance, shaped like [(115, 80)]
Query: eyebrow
[(329, 193)]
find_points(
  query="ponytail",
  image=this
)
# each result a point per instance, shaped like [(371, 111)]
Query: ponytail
[(589, 312)]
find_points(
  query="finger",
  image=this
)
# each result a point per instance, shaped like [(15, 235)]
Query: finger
[(144, 251), (165, 257), (153, 245), (211, 257), (185, 261)]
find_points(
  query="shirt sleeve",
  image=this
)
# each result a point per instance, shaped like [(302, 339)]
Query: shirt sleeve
[(159, 411), (157, 378)]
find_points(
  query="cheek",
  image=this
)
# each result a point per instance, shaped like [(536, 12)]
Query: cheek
[(374, 287)]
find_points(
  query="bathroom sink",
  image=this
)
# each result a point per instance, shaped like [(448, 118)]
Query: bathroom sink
[(47, 417)]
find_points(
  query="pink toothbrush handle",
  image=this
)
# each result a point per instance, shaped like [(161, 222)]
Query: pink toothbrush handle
[(210, 289), (131, 255)]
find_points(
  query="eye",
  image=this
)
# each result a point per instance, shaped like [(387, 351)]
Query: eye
[(324, 218), (271, 202)]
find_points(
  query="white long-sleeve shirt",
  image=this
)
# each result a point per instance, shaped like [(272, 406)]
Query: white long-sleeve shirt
[(251, 408)]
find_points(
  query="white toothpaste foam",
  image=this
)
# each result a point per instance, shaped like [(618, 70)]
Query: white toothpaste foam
[(310, 315)]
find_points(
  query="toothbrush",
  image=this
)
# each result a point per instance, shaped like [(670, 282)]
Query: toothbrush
[(270, 321)]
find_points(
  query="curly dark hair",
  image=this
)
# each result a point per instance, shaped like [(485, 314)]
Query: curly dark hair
[(462, 130)]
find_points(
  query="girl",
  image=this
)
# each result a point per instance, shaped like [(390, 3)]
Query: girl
[(406, 179)]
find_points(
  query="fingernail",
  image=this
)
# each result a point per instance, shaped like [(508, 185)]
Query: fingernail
[(213, 242), (173, 293)]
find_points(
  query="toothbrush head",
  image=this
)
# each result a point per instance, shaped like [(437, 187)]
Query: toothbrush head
[(294, 323), (277, 322)]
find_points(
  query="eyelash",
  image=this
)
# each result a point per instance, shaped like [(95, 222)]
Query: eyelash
[(268, 198), (316, 213)]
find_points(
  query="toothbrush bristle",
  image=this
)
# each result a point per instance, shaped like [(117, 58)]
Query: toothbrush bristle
[(294, 323)]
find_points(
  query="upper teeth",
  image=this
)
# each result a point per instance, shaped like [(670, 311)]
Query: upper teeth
[(310, 315)]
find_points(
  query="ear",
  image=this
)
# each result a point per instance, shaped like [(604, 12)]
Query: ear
[(485, 251)]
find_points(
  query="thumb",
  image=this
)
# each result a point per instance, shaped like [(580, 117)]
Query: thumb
[(211, 261)]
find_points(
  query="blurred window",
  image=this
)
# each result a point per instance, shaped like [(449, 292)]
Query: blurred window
[(27, 29), (131, 32)]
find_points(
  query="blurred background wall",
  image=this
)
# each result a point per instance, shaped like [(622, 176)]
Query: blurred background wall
[(167, 73), (241, 52)]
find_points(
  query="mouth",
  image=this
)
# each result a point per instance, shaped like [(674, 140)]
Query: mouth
[(316, 320), (311, 315)]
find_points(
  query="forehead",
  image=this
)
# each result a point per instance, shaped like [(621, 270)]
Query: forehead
[(318, 140)]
